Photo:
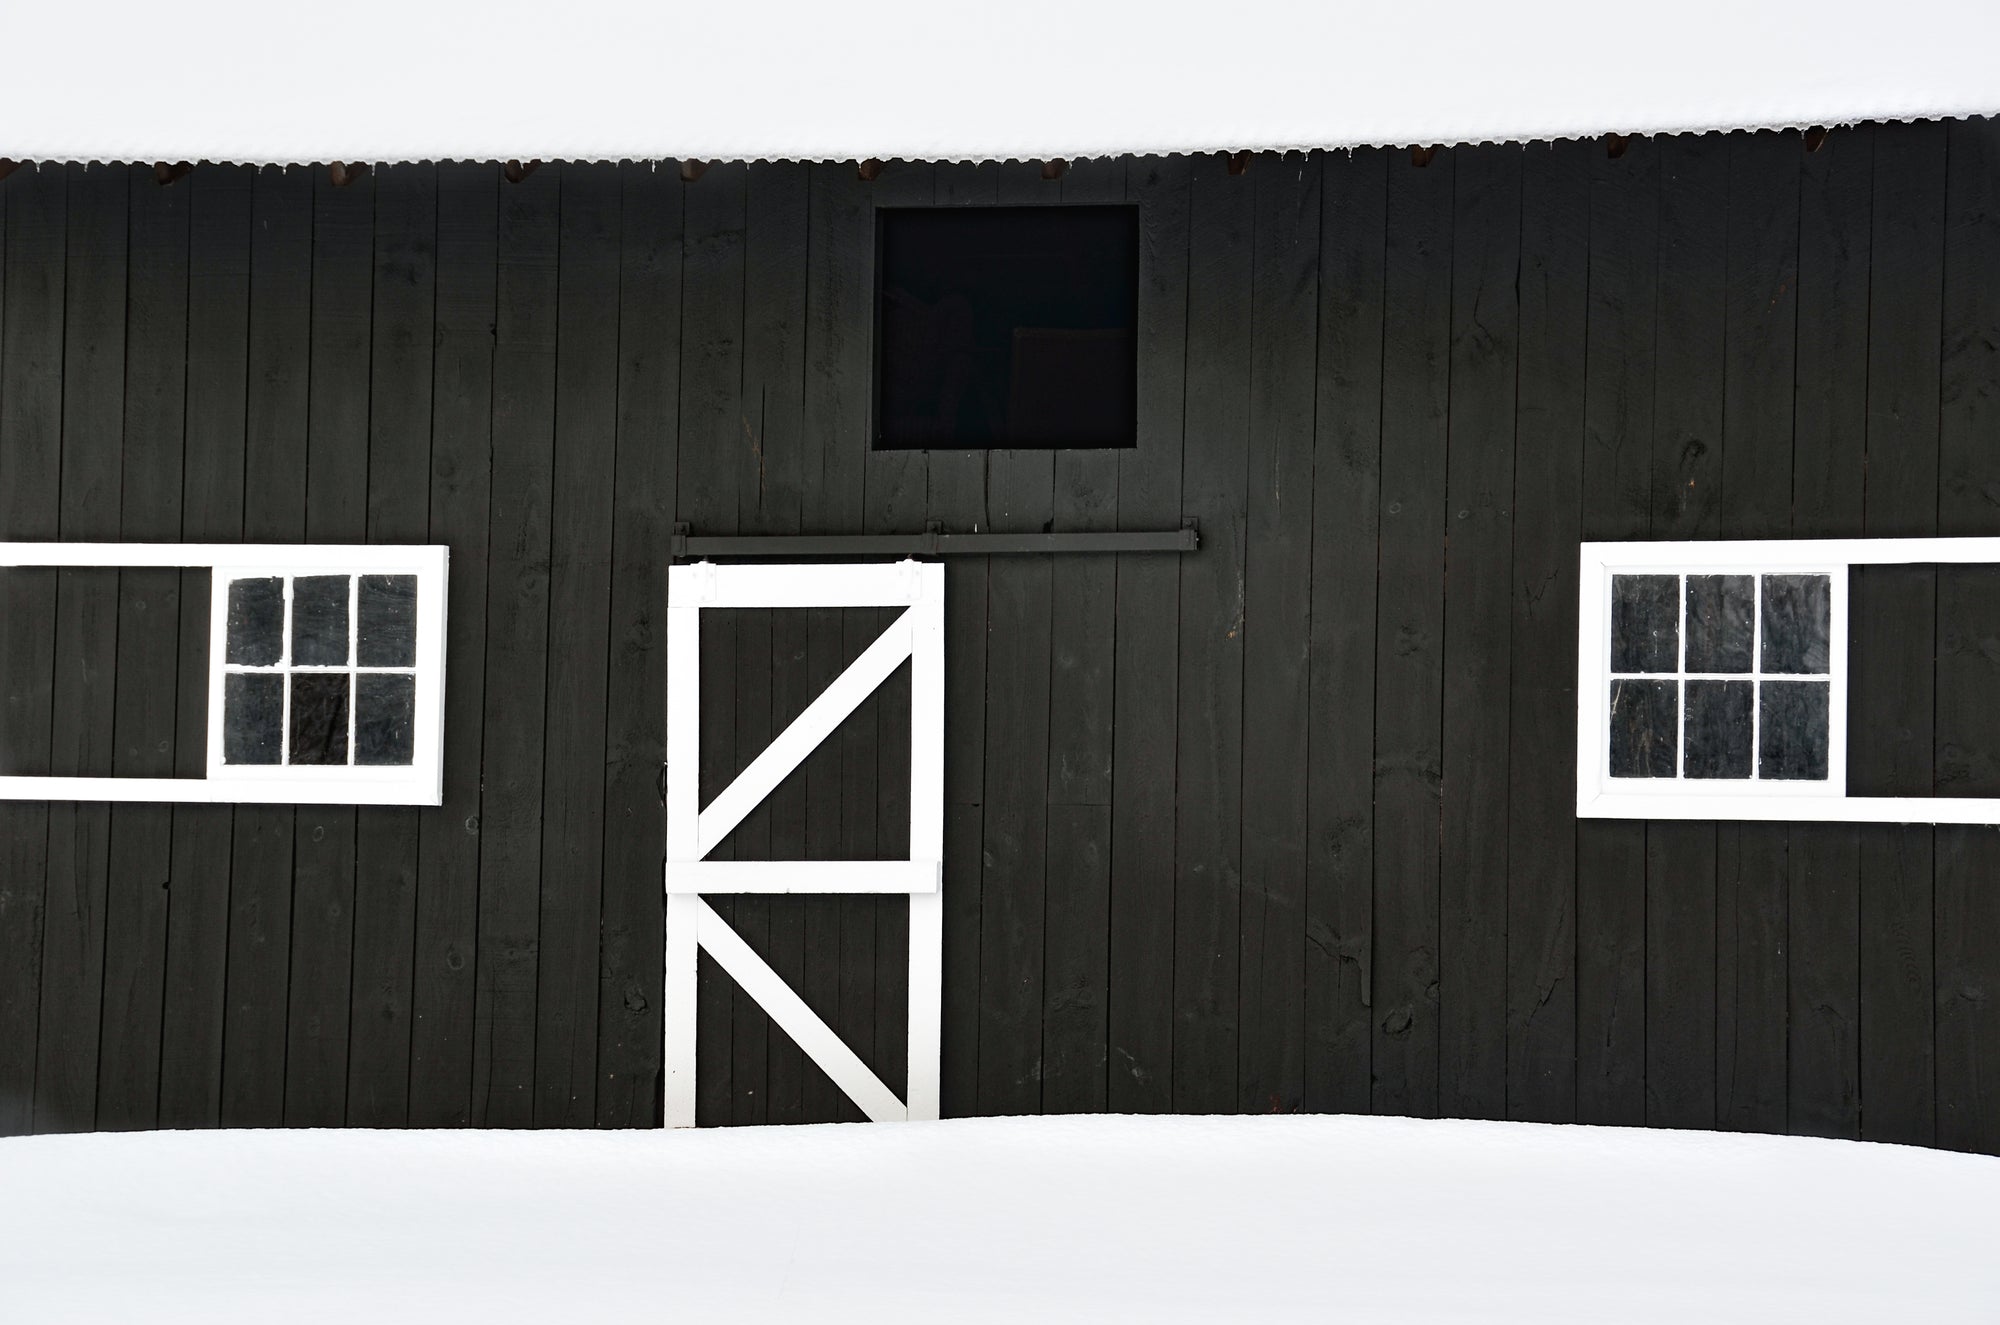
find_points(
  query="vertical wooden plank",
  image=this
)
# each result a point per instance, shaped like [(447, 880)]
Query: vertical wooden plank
[(218, 316), (774, 418), (1277, 632), (1013, 910), (1753, 860), (144, 683), (895, 500), (957, 500), (403, 334), (1082, 633), (580, 531), (73, 925), (1208, 792), (767, 455), (1145, 676), (1967, 912), (443, 990), (1340, 706), (1829, 466), (33, 231), (1617, 504), (274, 510), (711, 429), (840, 236), (1891, 728), (1479, 581), (323, 863), (1409, 679), (517, 646), (649, 310), (1686, 492), (1548, 513)]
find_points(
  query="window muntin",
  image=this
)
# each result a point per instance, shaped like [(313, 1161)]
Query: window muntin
[(1720, 676), (321, 671)]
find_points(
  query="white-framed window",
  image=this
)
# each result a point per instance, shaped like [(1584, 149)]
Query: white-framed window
[(1712, 680), (325, 673)]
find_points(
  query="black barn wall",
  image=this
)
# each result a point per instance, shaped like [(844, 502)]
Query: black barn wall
[(1284, 824)]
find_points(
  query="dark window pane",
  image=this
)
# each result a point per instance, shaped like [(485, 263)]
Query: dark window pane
[(1645, 721), (1645, 623), (388, 628), (256, 621), (1792, 731), (1007, 326), (1796, 625), (1718, 728), (385, 710), (253, 716), (1718, 624), (319, 717), (319, 620)]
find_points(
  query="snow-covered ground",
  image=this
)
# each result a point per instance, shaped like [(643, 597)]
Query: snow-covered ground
[(1015, 1219)]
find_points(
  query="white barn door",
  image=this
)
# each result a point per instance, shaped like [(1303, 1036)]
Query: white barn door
[(694, 830)]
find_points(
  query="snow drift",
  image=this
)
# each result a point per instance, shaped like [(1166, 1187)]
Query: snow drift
[(1088, 1219)]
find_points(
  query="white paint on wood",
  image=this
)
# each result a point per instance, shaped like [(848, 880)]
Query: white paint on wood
[(693, 832), (790, 1012), (771, 766), (678, 1008), (421, 782), (818, 876)]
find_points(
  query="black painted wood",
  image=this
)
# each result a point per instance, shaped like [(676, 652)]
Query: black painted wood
[(400, 448), (1277, 596), (517, 649), (445, 960), (211, 509), (1968, 721), (580, 534), (274, 510), (148, 628), (1208, 791), (1479, 574), (81, 735), (1617, 504), (957, 498), (31, 370), (1409, 636), (1548, 505), (336, 511), (1340, 770), (628, 1018), (1754, 860), (1829, 467), (1895, 635), (1686, 491), (1281, 823)]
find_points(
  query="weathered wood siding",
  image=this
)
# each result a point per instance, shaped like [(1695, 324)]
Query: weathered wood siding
[(1285, 824)]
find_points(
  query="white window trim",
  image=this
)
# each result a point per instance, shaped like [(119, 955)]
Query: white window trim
[(420, 783), (1600, 796)]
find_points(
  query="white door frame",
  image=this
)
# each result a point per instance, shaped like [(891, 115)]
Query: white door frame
[(692, 831)]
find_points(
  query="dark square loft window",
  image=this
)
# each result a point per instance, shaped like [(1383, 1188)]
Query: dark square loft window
[(1006, 327)]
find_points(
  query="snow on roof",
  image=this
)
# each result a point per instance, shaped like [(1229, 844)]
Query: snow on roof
[(996, 1219), (389, 80)]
